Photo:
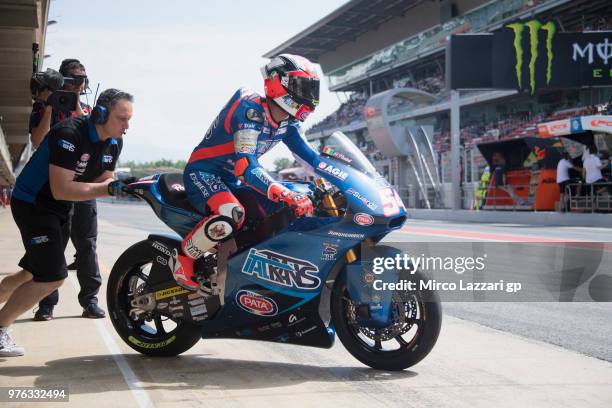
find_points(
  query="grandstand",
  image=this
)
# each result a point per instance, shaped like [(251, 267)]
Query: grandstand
[(369, 47)]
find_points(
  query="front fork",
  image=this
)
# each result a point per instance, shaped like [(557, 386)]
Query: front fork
[(374, 307)]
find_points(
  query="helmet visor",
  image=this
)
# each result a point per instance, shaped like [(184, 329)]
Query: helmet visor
[(304, 90)]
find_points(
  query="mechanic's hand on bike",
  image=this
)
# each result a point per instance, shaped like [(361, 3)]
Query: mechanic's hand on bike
[(300, 202), (117, 186)]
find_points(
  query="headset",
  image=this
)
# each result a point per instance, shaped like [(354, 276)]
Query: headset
[(99, 113)]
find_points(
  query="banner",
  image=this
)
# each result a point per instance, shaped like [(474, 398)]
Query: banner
[(529, 56), (596, 123)]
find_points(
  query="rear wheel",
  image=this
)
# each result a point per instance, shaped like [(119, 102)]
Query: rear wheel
[(149, 333), (406, 341)]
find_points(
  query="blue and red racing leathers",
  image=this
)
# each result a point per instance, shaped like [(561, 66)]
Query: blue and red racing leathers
[(227, 159)]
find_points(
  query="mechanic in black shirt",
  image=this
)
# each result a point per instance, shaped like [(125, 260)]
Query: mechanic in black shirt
[(83, 220), (75, 162)]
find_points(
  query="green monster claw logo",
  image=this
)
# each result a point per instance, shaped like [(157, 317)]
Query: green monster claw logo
[(534, 27)]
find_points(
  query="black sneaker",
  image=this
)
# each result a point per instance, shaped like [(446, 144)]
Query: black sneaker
[(43, 314), (93, 311)]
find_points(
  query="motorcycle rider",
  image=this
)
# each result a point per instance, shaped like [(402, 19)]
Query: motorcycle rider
[(227, 157)]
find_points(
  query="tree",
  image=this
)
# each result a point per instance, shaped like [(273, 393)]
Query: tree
[(282, 163), (142, 169)]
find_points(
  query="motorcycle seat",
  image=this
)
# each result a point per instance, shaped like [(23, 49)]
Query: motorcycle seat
[(172, 191)]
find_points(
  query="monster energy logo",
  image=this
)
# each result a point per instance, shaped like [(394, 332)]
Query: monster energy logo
[(534, 28)]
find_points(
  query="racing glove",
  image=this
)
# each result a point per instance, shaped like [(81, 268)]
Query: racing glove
[(300, 202), (115, 187)]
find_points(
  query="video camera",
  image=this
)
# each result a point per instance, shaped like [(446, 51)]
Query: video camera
[(53, 81)]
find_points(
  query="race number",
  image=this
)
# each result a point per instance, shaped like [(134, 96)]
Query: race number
[(391, 203)]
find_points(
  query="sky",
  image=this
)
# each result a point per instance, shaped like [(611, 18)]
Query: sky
[(182, 60)]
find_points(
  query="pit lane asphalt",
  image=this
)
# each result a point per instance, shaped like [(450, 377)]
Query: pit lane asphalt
[(472, 364)]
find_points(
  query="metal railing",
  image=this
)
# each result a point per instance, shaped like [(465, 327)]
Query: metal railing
[(582, 197), (579, 197)]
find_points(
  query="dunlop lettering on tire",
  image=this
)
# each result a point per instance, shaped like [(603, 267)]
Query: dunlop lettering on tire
[(142, 344)]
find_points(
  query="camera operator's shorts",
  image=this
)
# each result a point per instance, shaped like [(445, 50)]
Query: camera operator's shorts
[(44, 235)]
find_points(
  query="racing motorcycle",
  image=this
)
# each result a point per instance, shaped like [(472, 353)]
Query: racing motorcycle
[(280, 278)]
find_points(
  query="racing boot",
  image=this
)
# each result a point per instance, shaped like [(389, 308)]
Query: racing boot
[(201, 240), (183, 271)]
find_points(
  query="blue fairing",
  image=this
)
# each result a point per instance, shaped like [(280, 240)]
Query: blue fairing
[(365, 194)]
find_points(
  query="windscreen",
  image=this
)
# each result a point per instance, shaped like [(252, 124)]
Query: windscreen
[(339, 147)]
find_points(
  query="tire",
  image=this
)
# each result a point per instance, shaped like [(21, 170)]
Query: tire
[(406, 355), (137, 333)]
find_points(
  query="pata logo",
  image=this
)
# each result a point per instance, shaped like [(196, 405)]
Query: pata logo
[(533, 28)]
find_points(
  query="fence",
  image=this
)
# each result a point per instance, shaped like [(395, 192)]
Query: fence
[(595, 197)]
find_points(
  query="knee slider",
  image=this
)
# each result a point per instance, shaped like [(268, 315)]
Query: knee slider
[(234, 211), (208, 232)]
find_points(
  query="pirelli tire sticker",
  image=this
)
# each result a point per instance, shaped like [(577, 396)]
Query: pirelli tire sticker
[(159, 345), (166, 293)]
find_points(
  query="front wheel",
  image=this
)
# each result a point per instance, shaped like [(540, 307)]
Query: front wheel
[(406, 341), (148, 333)]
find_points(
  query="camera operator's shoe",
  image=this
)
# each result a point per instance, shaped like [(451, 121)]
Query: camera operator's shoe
[(93, 311), (43, 314), (8, 348)]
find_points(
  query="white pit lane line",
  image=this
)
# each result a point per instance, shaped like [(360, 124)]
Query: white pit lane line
[(140, 395)]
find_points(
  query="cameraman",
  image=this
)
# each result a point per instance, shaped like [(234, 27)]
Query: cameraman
[(44, 116), (83, 223)]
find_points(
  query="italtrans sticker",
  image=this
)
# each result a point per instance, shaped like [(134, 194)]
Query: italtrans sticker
[(39, 240), (281, 269), (166, 293), (142, 344), (64, 144)]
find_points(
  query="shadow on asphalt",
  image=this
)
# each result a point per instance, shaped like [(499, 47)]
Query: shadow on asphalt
[(99, 373), (31, 319)]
